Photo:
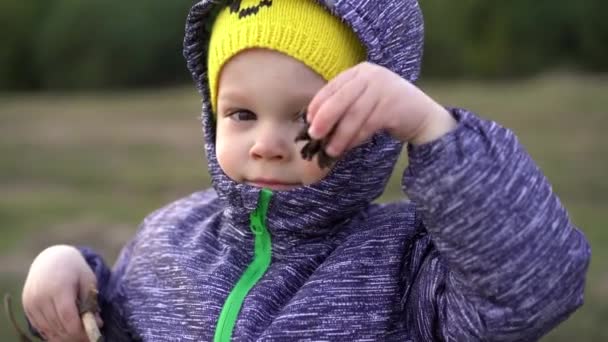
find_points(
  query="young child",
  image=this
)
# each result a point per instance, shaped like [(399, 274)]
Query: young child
[(281, 249)]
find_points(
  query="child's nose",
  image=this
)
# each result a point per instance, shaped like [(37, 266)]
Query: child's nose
[(270, 147)]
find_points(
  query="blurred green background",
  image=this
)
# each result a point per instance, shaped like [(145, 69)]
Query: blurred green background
[(99, 120)]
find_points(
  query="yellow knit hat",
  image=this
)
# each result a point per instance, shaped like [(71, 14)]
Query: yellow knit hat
[(302, 29)]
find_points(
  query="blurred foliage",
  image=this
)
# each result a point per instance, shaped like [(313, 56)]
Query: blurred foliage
[(67, 44), (91, 44), (478, 38)]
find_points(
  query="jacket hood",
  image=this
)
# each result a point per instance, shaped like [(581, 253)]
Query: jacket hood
[(392, 32)]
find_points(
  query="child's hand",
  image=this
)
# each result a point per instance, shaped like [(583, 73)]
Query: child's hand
[(58, 277), (367, 98)]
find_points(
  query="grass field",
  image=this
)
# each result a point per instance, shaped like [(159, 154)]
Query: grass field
[(86, 168)]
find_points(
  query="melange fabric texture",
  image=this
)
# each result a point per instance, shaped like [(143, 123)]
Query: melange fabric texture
[(482, 251)]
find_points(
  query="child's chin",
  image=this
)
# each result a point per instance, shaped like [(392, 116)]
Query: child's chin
[(275, 186)]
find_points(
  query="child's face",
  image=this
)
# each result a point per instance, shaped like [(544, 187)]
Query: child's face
[(260, 95)]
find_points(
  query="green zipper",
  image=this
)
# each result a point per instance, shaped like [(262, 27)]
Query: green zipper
[(253, 273)]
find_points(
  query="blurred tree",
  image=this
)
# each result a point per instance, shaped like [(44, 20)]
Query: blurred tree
[(19, 20), (593, 32), (444, 37), (113, 43)]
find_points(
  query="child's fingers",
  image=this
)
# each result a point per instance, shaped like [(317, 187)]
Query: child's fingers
[(328, 90), (352, 124), (46, 328), (361, 137), (374, 121), (68, 314), (52, 319), (37, 323), (335, 108), (57, 316)]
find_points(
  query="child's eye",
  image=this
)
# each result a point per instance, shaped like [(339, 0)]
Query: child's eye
[(242, 115)]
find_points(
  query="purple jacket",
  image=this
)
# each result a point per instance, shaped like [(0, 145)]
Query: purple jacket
[(483, 251)]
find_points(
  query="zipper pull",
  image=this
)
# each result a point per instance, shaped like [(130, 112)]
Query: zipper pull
[(257, 219)]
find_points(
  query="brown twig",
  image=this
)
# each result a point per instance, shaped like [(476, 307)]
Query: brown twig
[(8, 309), (88, 308)]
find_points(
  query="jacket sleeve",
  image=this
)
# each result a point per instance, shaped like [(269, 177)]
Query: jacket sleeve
[(111, 282), (499, 259), (111, 296)]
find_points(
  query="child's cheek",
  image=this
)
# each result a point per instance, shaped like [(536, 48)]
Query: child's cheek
[(228, 158), (312, 172), (223, 159)]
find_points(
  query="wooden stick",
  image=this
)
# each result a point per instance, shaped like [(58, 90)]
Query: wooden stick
[(88, 308), (23, 337), (90, 326)]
